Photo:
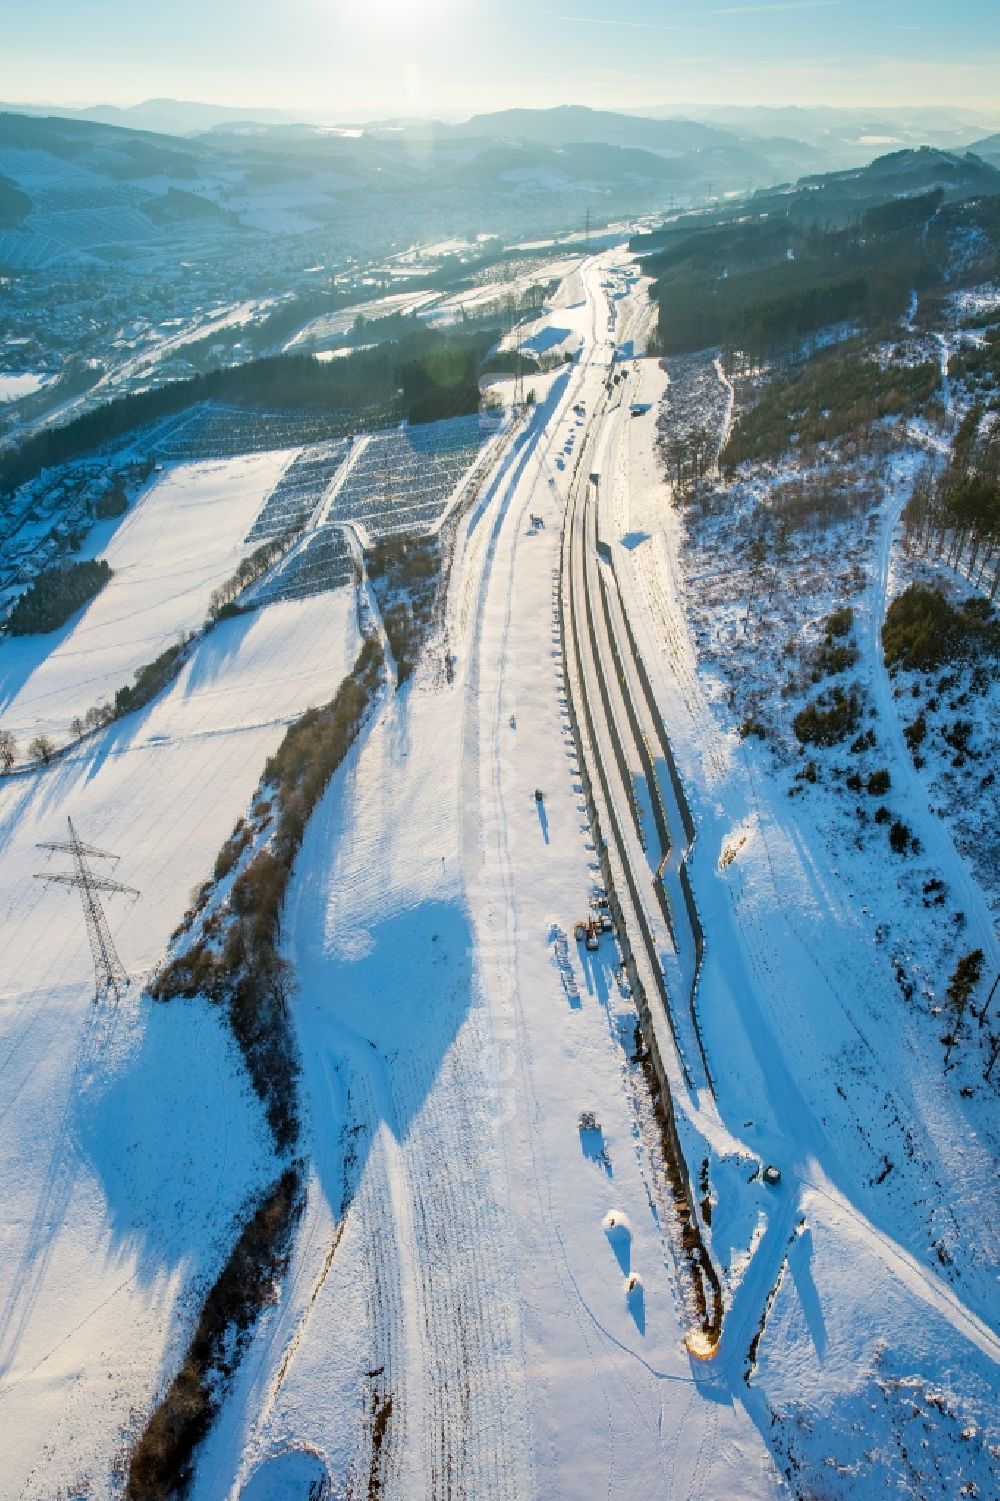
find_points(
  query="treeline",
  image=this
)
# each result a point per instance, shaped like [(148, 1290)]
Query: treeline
[(223, 600), (768, 274), (834, 392), (758, 288), (55, 595), (841, 247), (436, 371), (956, 515), (148, 681), (444, 382), (162, 1464), (236, 963), (151, 679)]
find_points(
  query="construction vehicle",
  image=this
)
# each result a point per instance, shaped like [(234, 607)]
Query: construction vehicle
[(588, 932)]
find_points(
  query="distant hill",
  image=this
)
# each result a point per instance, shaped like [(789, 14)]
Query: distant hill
[(164, 116), (124, 196), (720, 151), (14, 205), (576, 124), (988, 149), (846, 137), (121, 195)]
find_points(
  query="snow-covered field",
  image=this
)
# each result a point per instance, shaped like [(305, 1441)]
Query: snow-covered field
[(14, 385), (179, 541)]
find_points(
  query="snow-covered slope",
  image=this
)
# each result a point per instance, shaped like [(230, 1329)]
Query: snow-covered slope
[(130, 1139)]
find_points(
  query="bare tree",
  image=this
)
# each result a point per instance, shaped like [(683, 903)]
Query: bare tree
[(8, 750), (42, 749)]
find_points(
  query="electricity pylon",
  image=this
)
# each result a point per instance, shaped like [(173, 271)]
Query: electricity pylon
[(517, 400), (109, 972)]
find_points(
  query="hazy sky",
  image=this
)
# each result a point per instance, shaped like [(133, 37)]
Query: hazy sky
[(380, 56)]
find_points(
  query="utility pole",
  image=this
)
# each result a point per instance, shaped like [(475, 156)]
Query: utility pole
[(517, 400), (586, 231), (109, 972)]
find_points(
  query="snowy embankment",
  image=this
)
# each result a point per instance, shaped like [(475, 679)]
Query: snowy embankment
[(130, 1140)]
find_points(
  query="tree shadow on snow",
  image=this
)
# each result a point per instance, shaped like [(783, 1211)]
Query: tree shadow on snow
[(21, 656), (173, 1135), (214, 654), (800, 1261), (635, 1300)]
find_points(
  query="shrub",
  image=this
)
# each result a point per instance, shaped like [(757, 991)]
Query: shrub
[(407, 559), (55, 595), (223, 601), (899, 837), (840, 622), (958, 738), (832, 657), (150, 680), (879, 782), (829, 719), (256, 895), (41, 749), (915, 733), (231, 851), (922, 630), (962, 985), (195, 972)]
